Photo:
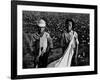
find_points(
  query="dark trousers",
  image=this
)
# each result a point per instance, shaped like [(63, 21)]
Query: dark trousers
[(43, 61)]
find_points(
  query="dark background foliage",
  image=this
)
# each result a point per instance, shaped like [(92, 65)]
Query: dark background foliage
[(55, 26)]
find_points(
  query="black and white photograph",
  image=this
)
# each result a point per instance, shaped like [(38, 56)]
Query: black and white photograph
[(54, 39)]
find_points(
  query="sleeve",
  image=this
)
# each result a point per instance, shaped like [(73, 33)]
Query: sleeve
[(50, 41), (76, 36)]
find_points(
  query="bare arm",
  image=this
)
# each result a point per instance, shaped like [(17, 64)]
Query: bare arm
[(77, 44)]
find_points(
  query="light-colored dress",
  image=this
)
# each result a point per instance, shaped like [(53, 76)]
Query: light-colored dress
[(65, 60)]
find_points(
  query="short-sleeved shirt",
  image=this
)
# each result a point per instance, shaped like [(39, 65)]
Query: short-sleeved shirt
[(45, 41)]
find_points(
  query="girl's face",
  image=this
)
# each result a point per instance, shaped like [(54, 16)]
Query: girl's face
[(70, 26)]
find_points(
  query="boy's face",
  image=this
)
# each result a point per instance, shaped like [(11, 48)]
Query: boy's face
[(42, 29)]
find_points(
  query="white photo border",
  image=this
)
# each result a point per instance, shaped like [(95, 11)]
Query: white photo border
[(21, 71)]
